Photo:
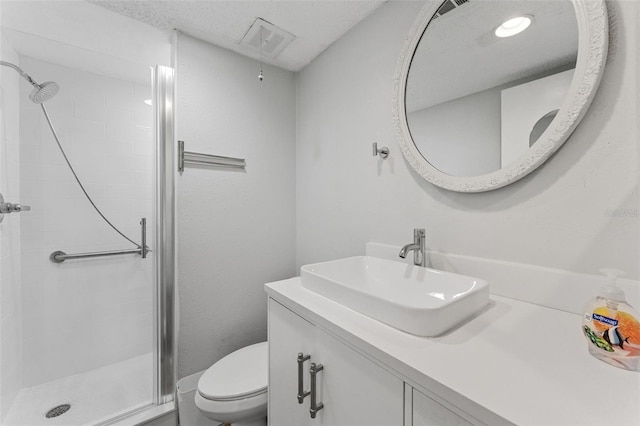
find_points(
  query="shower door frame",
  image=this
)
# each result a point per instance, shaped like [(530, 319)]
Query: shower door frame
[(164, 302), (165, 338)]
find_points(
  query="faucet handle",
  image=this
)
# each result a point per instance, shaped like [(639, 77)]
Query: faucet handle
[(418, 232)]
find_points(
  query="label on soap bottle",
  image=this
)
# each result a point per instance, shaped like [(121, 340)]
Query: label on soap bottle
[(614, 336)]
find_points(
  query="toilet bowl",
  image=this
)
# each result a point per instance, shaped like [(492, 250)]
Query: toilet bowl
[(234, 389)]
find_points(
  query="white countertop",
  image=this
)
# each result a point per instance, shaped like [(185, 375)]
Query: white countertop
[(515, 362)]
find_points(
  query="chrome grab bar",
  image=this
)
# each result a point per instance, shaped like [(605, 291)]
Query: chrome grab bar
[(315, 407), (206, 159), (302, 394), (143, 237), (60, 256)]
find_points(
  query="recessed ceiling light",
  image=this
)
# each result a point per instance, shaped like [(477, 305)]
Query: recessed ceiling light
[(513, 26), (148, 102)]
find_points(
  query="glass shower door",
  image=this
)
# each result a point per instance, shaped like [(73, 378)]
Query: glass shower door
[(79, 345)]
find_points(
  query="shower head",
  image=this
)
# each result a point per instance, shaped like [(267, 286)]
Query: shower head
[(41, 92)]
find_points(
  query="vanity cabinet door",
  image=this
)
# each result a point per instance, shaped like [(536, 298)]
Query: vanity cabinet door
[(289, 334), (427, 412), (353, 390)]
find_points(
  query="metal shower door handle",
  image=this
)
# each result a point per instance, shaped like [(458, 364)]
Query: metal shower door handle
[(6, 208)]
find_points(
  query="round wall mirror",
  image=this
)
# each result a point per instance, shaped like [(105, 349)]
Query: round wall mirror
[(487, 90)]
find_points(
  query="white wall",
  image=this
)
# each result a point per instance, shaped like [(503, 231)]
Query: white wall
[(10, 276), (460, 137), (579, 212), (236, 230), (84, 314)]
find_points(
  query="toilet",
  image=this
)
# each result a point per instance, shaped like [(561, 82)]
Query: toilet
[(234, 389)]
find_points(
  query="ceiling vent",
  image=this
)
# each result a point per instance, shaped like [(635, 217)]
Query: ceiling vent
[(448, 6), (274, 39)]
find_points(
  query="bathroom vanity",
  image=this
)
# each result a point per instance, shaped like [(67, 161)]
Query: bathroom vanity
[(512, 363)]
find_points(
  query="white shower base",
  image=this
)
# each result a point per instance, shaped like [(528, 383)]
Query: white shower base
[(95, 396)]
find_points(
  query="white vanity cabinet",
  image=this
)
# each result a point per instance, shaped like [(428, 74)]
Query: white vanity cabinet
[(353, 390), (427, 412), (485, 372)]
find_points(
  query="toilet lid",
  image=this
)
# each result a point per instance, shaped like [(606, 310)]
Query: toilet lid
[(240, 374)]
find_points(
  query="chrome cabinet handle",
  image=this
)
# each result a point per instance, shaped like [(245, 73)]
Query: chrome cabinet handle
[(315, 407), (302, 394)]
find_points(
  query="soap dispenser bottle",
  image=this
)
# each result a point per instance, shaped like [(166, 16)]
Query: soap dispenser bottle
[(612, 327)]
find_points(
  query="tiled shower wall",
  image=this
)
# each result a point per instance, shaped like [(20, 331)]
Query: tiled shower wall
[(84, 314), (10, 330)]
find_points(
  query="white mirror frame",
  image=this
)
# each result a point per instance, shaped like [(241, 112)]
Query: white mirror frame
[(593, 29)]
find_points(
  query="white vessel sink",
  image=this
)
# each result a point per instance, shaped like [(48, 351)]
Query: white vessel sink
[(418, 300)]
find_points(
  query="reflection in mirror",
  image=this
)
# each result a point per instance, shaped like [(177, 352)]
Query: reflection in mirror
[(541, 125), (473, 99)]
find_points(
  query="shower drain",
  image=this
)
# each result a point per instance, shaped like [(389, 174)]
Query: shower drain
[(57, 411)]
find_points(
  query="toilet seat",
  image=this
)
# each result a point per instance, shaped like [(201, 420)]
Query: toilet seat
[(240, 375), (233, 411)]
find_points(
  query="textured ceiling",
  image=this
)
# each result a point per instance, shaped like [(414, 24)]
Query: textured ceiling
[(459, 55), (316, 24)]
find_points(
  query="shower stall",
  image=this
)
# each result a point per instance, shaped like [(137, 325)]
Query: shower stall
[(87, 253)]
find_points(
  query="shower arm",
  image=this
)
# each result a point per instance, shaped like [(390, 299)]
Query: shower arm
[(19, 71)]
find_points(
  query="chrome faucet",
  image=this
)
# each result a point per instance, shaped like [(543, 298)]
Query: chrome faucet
[(417, 246)]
